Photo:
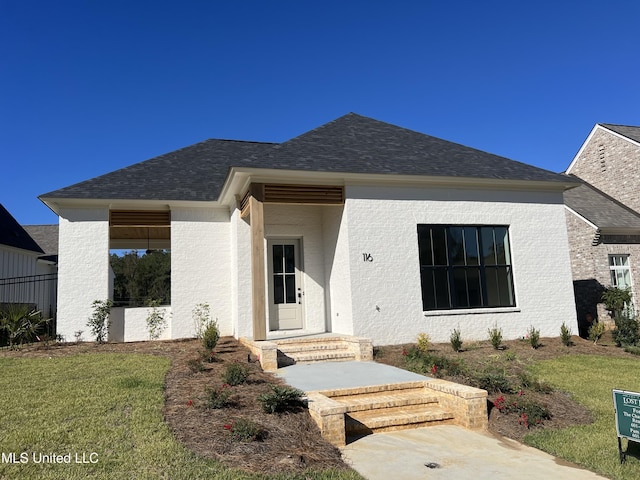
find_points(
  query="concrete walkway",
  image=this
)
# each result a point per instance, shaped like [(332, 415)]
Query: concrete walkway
[(454, 452)]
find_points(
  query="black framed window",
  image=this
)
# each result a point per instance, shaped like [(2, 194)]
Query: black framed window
[(465, 266)]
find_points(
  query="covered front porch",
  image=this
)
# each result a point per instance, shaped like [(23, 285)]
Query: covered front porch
[(299, 261)]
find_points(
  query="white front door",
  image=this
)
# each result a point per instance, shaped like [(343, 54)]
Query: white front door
[(285, 285)]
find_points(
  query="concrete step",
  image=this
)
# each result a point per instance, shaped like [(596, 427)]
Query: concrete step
[(310, 346), (395, 418)]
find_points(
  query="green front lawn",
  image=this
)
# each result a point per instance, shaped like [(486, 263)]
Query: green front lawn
[(108, 405), (590, 379)]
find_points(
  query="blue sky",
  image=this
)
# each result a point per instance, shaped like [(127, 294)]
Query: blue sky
[(87, 87)]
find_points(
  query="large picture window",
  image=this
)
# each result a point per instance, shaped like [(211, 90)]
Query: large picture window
[(465, 267)]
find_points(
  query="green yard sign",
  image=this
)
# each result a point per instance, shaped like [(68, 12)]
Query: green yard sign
[(627, 407)]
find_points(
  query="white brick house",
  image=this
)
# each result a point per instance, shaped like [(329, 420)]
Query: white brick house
[(357, 227)]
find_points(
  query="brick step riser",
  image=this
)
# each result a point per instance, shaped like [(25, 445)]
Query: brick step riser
[(291, 360), (385, 405), (364, 430), (389, 420), (311, 348)]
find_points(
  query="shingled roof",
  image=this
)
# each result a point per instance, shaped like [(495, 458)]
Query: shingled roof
[(630, 132), (13, 235), (349, 144), (600, 209)]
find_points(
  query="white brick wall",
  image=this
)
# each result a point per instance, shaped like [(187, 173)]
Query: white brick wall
[(83, 270), (130, 324), (386, 292), (200, 267)]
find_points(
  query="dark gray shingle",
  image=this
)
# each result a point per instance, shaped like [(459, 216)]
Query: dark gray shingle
[(13, 235), (625, 130), (46, 236), (600, 209), (349, 144)]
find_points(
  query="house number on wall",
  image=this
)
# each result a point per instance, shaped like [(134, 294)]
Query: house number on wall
[(367, 257)]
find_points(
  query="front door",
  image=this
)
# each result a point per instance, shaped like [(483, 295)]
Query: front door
[(285, 285)]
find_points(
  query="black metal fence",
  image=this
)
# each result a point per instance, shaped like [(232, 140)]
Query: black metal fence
[(40, 292)]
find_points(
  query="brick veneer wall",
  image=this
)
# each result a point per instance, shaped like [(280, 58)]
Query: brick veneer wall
[(612, 165), (590, 269)]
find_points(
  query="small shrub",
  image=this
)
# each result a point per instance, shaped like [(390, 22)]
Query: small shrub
[(235, 374), (78, 335), (494, 380), (209, 357), (596, 331), (495, 336), (156, 322), (626, 331), (21, 322), (565, 335), (281, 399), (201, 315), (527, 380), (632, 349), (616, 299), (530, 412), (99, 322), (424, 342), (219, 397), (211, 335), (424, 363), (456, 340), (534, 337), (195, 365), (510, 356), (245, 430)]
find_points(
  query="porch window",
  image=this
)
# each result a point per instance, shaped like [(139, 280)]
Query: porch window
[(465, 267), (620, 271)]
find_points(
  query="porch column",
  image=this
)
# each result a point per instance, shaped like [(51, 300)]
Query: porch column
[(258, 284)]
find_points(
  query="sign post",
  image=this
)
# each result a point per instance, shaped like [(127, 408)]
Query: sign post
[(627, 408)]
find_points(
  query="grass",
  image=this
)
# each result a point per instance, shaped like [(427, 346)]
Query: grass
[(590, 379), (107, 404)]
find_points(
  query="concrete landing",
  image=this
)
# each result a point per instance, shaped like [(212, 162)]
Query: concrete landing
[(458, 452), (334, 375)]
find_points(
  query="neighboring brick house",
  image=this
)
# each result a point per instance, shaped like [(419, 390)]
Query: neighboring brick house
[(603, 219)]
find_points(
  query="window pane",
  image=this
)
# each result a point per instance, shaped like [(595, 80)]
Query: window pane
[(277, 258), (502, 246), (488, 246), (424, 245), (443, 295), (456, 245), (278, 289), (474, 289), (290, 282), (461, 294), (499, 287), (428, 289), (471, 246), (439, 244)]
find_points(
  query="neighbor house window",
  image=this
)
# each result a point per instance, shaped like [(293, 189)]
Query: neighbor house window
[(620, 272), (465, 267)]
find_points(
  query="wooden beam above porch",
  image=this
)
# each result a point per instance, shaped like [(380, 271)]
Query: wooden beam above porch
[(292, 194)]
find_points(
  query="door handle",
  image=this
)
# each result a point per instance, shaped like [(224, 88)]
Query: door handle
[(299, 297)]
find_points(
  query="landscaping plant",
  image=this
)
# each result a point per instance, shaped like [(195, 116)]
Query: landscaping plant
[(456, 340), (424, 342), (235, 374), (219, 397), (596, 331), (281, 399), (156, 322), (627, 331), (21, 322), (534, 337), (245, 430), (565, 335), (99, 322), (495, 336)]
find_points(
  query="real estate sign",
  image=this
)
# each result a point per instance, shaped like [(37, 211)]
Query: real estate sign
[(627, 408)]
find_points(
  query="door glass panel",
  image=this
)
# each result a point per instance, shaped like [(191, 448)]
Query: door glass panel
[(277, 258), (278, 289), (289, 259), (290, 283)]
